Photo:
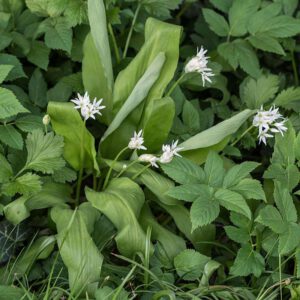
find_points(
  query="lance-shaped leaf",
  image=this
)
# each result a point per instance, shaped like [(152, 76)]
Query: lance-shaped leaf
[(67, 122), (121, 203), (77, 249)]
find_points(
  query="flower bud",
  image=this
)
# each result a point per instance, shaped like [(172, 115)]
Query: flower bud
[(46, 120)]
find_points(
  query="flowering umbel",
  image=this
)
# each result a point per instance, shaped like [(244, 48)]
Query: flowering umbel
[(137, 141), (269, 121), (169, 151), (88, 109), (199, 64)]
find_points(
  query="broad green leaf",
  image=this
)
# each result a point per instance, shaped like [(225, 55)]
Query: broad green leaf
[(289, 6), (216, 22), (97, 19), (238, 172), (222, 5), (284, 202), (39, 54), (29, 123), (64, 175), (94, 78), (11, 60), (289, 98), (190, 116), (38, 88), (190, 264), (214, 170), (25, 185), (239, 15), (159, 37), (204, 211), (9, 104), (4, 71), (44, 152), (6, 170), (250, 189), (138, 94), (217, 133), (239, 235), (171, 243), (78, 251), (12, 292), (233, 202), (125, 198), (269, 216), (159, 8), (266, 43), (248, 262), (190, 192), (59, 35), (255, 93), (184, 171), (289, 240), (67, 122), (11, 137), (261, 17), (156, 123)]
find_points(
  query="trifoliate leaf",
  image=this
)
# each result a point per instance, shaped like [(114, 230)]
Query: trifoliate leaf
[(257, 92), (190, 264), (9, 105), (248, 262), (238, 172), (25, 185), (5, 170), (216, 22), (11, 137), (44, 152)]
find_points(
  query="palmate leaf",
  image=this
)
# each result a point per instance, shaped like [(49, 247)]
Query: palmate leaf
[(44, 152)]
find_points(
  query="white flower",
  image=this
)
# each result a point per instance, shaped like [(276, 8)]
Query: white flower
[(169, 151), (199, 64), (268, 121), (150, 158), (137, 141), (87, 108), (46, 120)]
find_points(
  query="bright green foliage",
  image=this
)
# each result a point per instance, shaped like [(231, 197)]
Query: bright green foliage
[(217, 23), (44, 152), (11, 137), (6, 171), (190, 264)]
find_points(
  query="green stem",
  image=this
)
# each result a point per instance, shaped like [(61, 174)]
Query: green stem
[(112, 166), (296, 77), (127, 167), (174, 85), (115, 45), (78, 188), (243, 134), (142, 171), (280, 276), (131, 29)]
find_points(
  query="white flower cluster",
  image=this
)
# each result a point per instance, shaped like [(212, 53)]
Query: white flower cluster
[(88, 109), (269, 121), (169, 151), (199, 64)]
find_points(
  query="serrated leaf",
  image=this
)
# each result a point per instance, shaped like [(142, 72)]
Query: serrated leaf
[(29, 123), (239, 15), (184, 171), (289, 240), (190, 192), (17, 70), (6, 170), (289, 98), (160, 8), (76, 13), (248, 262), (239, 172), (39, 54), (216, 22), (190, 116), (239, 235), (269, 216), (59, 36), (233, 202), (190, 264), (4, 71), (64, 175), (250, 189), (44, 152), (204, 211), (9, 104), (257, 92), (214, 170), (26, 185), (266, 43), (11, 137)]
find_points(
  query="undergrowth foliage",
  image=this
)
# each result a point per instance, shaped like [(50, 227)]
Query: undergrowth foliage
[(149, 149)]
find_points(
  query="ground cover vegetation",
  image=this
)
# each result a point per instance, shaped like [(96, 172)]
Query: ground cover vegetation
[(149, 149)]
